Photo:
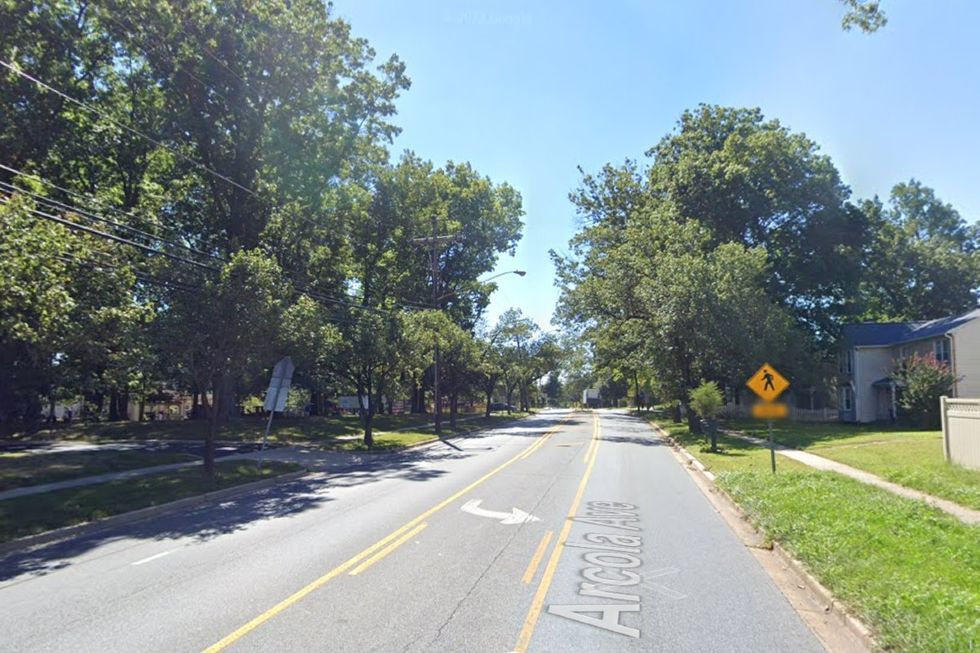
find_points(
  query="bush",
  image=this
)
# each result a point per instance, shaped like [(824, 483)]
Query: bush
[(924, 380), (706, 400)]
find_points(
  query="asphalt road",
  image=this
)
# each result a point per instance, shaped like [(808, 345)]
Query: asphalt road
[(423, 551)]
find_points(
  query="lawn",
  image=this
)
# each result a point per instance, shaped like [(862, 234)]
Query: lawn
[(42, 512), (910, 458), (284, 429), (396, 440), (22, 469), (909, 571), (733, 454)]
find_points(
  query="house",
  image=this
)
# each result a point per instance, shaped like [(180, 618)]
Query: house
[(870, 352)]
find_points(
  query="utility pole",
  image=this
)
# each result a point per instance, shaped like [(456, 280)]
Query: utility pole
[(435, 243)]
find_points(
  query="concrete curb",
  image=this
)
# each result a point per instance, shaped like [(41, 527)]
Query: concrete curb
[(79, 530), (436, 440), (832, 605)]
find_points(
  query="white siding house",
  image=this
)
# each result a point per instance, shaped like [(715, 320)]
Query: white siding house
[(871, 351)]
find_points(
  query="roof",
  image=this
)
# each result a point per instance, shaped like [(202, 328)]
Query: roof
[(883, 334)]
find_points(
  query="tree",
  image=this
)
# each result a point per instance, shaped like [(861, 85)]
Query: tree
[(864, 14), (707, 400), (238, 329), (924, 262), (460, 356), (923, 381)]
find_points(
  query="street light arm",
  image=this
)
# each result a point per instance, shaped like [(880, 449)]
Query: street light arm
[(519, 273)]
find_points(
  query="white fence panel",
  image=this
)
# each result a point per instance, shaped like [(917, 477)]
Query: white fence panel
[(795, 414), (961, 431)]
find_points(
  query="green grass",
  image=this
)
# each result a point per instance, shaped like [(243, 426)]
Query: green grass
[(24, 469), (909, 571), (284, 429), (389, 441), (43, 512), (910, 458), (733, 454)]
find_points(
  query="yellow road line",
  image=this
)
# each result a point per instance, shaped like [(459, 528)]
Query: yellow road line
[(388, 549), (540, 443), (524, 640), (337, 571), (532, 567)]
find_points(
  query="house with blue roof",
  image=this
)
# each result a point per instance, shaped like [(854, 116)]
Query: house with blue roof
[(870, 352)]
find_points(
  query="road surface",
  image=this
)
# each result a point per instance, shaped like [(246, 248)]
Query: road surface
[(463, 547)]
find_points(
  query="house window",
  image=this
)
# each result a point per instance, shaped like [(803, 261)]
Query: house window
[(847, 398), (849, 361), (941, 348)]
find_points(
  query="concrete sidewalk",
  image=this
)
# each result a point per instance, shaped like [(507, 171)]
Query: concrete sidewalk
[(964, 514), (310, 456)]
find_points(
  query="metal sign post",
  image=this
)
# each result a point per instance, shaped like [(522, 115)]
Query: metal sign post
[(769, 384), (275, 397), (772, 449)]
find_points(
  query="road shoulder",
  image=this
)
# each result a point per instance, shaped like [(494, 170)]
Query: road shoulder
[(837, 629)]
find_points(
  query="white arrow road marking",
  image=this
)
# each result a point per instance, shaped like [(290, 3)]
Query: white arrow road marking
[(515, 516)]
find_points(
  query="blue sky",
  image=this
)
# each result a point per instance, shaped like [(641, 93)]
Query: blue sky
[(527, 91)]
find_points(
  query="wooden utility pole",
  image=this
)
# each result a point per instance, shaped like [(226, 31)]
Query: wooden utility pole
[(435, 243)]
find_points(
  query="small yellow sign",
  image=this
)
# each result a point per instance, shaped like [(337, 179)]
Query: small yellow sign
[(770, 410), (767, 383)]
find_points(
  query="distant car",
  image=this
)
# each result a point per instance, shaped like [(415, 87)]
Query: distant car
[(499, 405)]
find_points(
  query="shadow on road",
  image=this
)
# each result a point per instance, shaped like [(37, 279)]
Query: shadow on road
[(330, 470)]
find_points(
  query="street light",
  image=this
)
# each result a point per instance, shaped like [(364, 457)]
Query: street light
[(435, 365), (519, 273)]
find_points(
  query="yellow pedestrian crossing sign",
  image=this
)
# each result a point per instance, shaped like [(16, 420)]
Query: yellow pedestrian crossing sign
[(767, 383)]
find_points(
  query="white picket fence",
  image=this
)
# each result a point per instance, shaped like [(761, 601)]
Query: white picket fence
[(795, 414), (961, 431)]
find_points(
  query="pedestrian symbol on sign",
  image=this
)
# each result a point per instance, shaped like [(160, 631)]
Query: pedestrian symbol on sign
[(767, 375), (768, 383)]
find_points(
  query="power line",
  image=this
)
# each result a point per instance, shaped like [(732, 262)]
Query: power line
[(47, 87), (119, 239), (75, 209), (89, 198)]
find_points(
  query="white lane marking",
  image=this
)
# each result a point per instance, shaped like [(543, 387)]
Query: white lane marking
[(515, 516), (152, 558)]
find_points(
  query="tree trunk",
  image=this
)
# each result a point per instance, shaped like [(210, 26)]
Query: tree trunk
[(489, 399), (113, 405), (209, 444), (693, 421), (453, 401), (636, 396), (367, 414)]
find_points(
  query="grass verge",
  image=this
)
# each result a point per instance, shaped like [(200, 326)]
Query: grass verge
[(910, 458), (25, 469), (38, 513), (398, 440), (284, 429), (909, 571)]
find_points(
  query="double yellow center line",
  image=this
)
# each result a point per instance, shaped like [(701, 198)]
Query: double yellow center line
[(524, 639), (373, 553)]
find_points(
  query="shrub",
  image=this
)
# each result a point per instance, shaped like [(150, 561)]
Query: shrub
[(924, 380)]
